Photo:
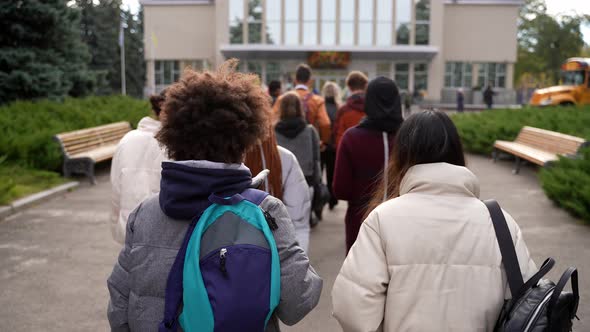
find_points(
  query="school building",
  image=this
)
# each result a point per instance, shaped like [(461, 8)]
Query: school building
[(429, 47)]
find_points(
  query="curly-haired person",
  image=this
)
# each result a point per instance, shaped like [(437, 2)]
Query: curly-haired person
[(212, 120)]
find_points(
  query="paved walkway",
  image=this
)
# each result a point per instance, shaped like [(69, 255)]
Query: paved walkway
[(55, 258)]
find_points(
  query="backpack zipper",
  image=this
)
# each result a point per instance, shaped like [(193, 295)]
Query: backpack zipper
[(270, 220), (535, 314), (222, 254)]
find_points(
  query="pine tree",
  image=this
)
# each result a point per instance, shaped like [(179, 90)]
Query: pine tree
[(41, 53), (100, 31)]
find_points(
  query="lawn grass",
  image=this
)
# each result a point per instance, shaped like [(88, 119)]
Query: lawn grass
[(17, 181)]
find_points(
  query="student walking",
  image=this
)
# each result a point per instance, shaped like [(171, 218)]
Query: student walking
[(460, 100), (314, 107), (294, 134), (136, 168), (209, 253), (488, 96), (426, 257), (353, 111), (364, 152), (285, 182), (331, 93)]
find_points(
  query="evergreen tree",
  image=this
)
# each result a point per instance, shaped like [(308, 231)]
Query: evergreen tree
[(41, 53), (99, 27)]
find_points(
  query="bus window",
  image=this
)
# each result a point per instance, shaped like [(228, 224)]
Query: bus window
[(573, 77)]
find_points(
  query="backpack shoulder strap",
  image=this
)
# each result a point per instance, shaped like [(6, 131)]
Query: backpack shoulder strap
[(254, 196), (509, 258), (305, 102)]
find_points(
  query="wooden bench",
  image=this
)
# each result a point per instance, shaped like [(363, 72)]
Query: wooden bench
[(83, 148), (539, 146)]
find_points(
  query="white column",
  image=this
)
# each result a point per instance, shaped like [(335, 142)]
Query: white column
[(150, 76), (356, 22), (509, 75), (263, 27), (436, 66), (245, 24), (411, 77), (282, 21), (393, 24), (374, 41), (300, 21), (319, 23), (337, 23)]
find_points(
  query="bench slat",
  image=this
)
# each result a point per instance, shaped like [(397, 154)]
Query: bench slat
[(74, 140), (95, 141), (92, 131)]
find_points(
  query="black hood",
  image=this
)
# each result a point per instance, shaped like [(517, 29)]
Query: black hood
[(382, 106), (290, 128)]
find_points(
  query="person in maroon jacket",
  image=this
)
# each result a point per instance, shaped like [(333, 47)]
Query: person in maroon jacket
[(364, 151)]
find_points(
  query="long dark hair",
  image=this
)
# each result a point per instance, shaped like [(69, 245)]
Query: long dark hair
[(424, 138)]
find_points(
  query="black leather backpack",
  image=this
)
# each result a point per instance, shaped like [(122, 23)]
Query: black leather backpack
[(539, 305)]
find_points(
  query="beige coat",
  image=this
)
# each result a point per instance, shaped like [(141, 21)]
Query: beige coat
[(427, 260), (135, 173)]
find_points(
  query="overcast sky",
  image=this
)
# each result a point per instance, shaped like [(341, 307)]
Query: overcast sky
[(553, 6)]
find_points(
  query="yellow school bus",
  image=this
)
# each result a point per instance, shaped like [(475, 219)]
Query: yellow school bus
[(574, 88)]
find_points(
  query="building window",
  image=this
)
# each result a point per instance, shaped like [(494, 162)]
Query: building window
[(254, 21), (403, 19), (492, 73), (273, 22), (420, 77), (384, 69), (402, 73), (365, 23), (422, 22), (458, 74), (236, 21), (254, 67), (328, 22), (346, 22), (291, 22), (166, 72), (384, 21), (196, 64), (310, 22), (273, 71)]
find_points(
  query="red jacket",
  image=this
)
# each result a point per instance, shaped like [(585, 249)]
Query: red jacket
[(360, 158), (349, 115)]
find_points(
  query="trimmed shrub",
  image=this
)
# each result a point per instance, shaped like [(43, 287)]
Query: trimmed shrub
[(27, 128), (567, 182)]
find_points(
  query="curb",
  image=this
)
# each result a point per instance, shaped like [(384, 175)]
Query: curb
[(25, 202)]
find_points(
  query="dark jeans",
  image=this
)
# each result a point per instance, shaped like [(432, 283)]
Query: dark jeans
[(328, 161)]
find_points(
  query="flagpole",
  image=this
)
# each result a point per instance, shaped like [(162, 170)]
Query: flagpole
[(122, 47)]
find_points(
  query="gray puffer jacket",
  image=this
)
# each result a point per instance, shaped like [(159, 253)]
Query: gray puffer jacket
[(138, 281)]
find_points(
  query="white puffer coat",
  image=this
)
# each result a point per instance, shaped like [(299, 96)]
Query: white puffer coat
[(135, 173), (427, 260), (296, 196)]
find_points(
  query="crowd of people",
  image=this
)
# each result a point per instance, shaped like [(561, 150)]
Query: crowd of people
[(419, 242)]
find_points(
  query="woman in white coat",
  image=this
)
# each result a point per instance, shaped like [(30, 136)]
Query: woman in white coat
[(426, 258), (136, 168), (285, 181)]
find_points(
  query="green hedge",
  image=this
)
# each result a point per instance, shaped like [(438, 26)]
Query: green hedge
[(568, 181), (479, 130), (27, 128)]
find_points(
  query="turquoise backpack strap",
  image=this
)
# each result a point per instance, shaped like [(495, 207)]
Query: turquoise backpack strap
[(198, 313)]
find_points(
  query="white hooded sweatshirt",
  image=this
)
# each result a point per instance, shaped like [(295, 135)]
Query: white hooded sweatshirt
[(135, 173)]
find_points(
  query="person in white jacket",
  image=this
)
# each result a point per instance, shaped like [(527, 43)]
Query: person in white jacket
[(426, 258), (136, 169), (285, 181)]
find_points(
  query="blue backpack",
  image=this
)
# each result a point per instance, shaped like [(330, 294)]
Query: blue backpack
[(226, 276)]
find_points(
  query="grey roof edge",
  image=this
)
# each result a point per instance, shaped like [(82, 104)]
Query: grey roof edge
[(175, 2), (485, 2)]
